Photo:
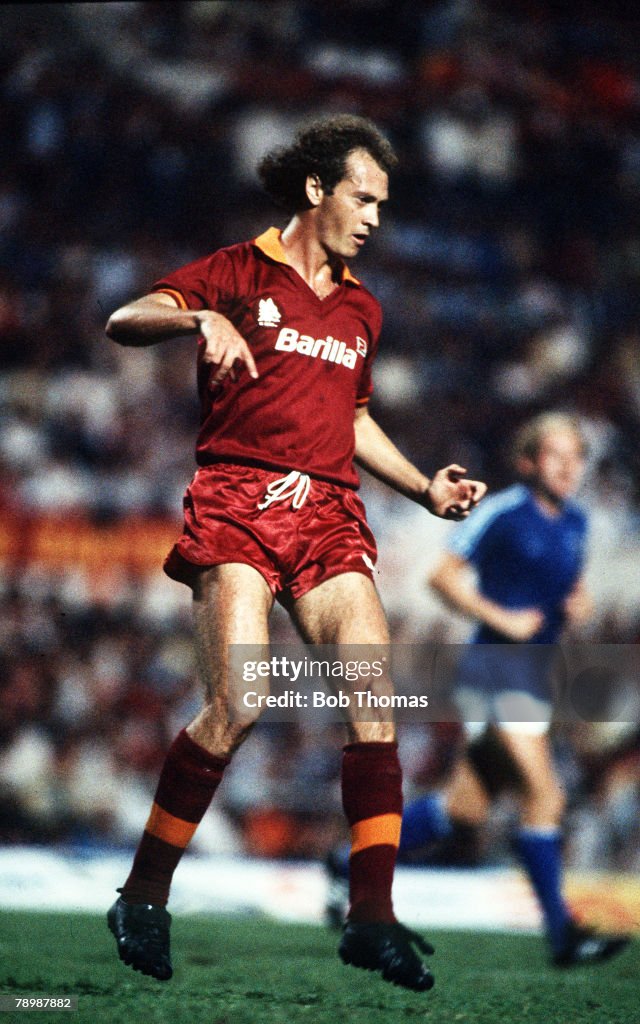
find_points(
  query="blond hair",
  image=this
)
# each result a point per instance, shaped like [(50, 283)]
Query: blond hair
[(528, 439)]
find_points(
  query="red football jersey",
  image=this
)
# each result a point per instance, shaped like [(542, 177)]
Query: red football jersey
[(313, 355)]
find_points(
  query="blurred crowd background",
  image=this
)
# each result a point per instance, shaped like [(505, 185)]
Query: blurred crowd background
[(508, 266)]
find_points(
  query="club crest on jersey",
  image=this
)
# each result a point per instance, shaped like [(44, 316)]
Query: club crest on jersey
[(331, 349), (268, 313)]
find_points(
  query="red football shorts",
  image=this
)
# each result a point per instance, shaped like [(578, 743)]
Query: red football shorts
[(294, 548)]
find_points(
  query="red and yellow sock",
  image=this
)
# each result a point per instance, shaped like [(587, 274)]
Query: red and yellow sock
[(188, 781), (372, 801)]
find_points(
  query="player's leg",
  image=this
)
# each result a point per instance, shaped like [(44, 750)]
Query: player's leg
[(539, 845), (539, 839), (439, 827), (466, 796), (451, 815), (345, 610), (231, 606)]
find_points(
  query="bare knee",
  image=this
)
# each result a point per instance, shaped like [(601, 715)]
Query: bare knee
[(218, 734), (371, 732)]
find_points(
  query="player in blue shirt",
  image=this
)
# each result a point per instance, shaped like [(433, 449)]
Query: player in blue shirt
[(515, 567)]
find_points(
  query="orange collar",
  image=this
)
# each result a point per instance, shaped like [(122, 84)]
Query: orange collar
[(269, 243)]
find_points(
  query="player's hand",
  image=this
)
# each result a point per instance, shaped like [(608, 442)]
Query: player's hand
[(224, 346), (451, 496), (520, 626)]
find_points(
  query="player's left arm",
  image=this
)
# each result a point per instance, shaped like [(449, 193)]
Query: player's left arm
[(448, 494)]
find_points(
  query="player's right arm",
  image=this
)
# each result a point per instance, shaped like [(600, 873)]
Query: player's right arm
[(453, 581), (157, 317)]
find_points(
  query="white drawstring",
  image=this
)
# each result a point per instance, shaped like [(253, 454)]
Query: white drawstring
[(295, 486)]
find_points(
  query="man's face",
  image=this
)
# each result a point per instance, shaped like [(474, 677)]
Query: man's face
[(346, 218), (558, 467)]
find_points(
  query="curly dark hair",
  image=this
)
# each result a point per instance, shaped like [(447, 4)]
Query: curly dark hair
[(322, 149)]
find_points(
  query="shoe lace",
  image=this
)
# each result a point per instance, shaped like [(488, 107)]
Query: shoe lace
[(408, 937)]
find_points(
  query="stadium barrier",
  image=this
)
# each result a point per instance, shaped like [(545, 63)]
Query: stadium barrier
[(488, 899), (137, 543)]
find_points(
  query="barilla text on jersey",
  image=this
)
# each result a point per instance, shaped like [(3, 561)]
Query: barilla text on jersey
[(334, 351)]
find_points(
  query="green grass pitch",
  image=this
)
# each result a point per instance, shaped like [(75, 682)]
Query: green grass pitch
[(252, 970)]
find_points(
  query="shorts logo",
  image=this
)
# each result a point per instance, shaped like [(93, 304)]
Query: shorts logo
[(268, 313), (330, 349), (367, 561), (361, 346)]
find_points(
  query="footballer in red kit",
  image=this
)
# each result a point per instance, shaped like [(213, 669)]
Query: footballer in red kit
[(314, 357), (287, 337), (315, 361)]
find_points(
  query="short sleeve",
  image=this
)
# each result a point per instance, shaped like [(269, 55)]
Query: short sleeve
[(468, 542), (207, 283), (474, 538)]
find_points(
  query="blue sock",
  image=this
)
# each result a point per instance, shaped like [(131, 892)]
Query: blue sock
[(424, 820), (340, 860), (541, 855)]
